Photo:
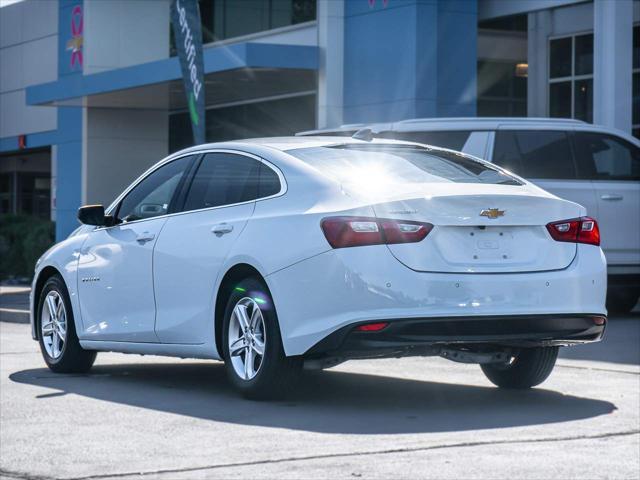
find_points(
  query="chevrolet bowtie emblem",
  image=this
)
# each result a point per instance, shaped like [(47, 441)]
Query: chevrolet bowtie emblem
[(492, 213)]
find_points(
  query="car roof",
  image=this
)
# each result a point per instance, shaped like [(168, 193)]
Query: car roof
[(475, 124), (448, 123), (284, 144)]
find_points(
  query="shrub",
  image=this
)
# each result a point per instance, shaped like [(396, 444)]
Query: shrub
[(23, 239)]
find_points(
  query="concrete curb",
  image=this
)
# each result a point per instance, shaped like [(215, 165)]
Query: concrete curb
[(11, 315)]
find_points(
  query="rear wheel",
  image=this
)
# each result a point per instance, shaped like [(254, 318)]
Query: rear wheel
[(254, 357), (528, 368), (59, 343)]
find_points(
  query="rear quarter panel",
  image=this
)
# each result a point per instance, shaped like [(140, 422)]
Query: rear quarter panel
[(286, 229)]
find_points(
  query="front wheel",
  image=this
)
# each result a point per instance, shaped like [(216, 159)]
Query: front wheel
[(254, 357), (528, 368), (57, 336)]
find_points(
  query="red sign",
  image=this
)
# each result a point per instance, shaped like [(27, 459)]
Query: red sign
[(22, 142)]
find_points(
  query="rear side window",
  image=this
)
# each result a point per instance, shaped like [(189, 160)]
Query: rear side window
[(605, 157), (227, 179), (453, 140), (380, 166), (535, 153), (269, 182)]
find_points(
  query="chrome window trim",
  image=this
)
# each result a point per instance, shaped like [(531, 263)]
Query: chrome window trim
[(283, 184)]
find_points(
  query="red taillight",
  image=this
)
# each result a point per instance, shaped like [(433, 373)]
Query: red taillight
[(344, 232), (372, 327), (575, 230)]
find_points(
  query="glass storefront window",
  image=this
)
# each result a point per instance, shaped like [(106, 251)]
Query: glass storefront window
[(25, 183), (636, 100), (560, 99), (636, 47), (636, 82), (584, 54), (583, 100), (571, 77), (560, 58), (501, 91), (502, 76), (284, 116), (6, 193), (34, 195), (222, 19)]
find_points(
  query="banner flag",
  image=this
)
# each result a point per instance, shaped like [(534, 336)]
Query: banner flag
[(187, 30)]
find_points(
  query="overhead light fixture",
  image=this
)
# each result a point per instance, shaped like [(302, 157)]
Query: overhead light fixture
[(522, 70)]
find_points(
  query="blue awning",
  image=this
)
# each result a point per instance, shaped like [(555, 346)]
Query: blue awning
[(248, 55)]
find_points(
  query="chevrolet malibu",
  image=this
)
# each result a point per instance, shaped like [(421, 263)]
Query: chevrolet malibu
[(280, 254)]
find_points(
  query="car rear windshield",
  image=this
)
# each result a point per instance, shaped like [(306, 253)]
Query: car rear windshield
[(399, 164)]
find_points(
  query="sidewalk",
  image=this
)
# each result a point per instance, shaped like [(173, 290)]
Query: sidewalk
[(14, 304)]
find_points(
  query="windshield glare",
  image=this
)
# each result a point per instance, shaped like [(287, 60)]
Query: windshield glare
[(378, 165)]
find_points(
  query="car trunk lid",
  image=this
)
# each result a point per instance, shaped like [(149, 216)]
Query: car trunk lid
[(485, 229)]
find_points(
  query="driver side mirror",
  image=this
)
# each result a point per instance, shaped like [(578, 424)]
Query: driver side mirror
[(94, 215)]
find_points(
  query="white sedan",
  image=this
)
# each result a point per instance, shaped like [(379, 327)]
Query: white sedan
[(283, 253)]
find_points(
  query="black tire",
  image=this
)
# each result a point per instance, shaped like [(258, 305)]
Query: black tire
[(530, 367), (277, 373), (73, 358), (621, 300)]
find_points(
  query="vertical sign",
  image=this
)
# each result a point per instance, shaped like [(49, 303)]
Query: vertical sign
[(187, 30), (71, 38), (74, 44)]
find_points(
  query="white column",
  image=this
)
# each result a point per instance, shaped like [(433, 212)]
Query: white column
[(538, 58), (120, 144), (330, 73), (613, 32)]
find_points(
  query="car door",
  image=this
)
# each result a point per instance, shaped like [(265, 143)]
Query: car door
[(613, 163), (194, 245), (115, 282), (544, 157)]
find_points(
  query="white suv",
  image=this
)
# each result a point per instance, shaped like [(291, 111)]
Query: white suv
[(594, 166)]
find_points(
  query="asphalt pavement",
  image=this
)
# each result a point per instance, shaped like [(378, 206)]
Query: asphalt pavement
[(154, 417)]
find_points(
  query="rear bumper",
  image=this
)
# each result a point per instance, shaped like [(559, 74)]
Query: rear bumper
[(343, 287), (401, 335)]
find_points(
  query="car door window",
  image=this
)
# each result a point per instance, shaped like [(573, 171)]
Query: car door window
[(152, 196), (223, 179), (535, 153), (606, 157)]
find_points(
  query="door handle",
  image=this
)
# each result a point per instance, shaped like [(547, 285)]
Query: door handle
[(221, 229), (611, 197), (145, 237)]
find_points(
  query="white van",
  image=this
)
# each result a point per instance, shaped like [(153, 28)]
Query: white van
[(594, 166)]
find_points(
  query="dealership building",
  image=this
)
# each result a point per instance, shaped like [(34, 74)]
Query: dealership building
[(91, 92)]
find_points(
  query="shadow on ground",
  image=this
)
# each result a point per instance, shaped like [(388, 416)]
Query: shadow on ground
[(327, 402)]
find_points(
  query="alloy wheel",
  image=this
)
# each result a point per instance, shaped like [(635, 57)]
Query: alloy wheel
[(53, 324), (246, 338)]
